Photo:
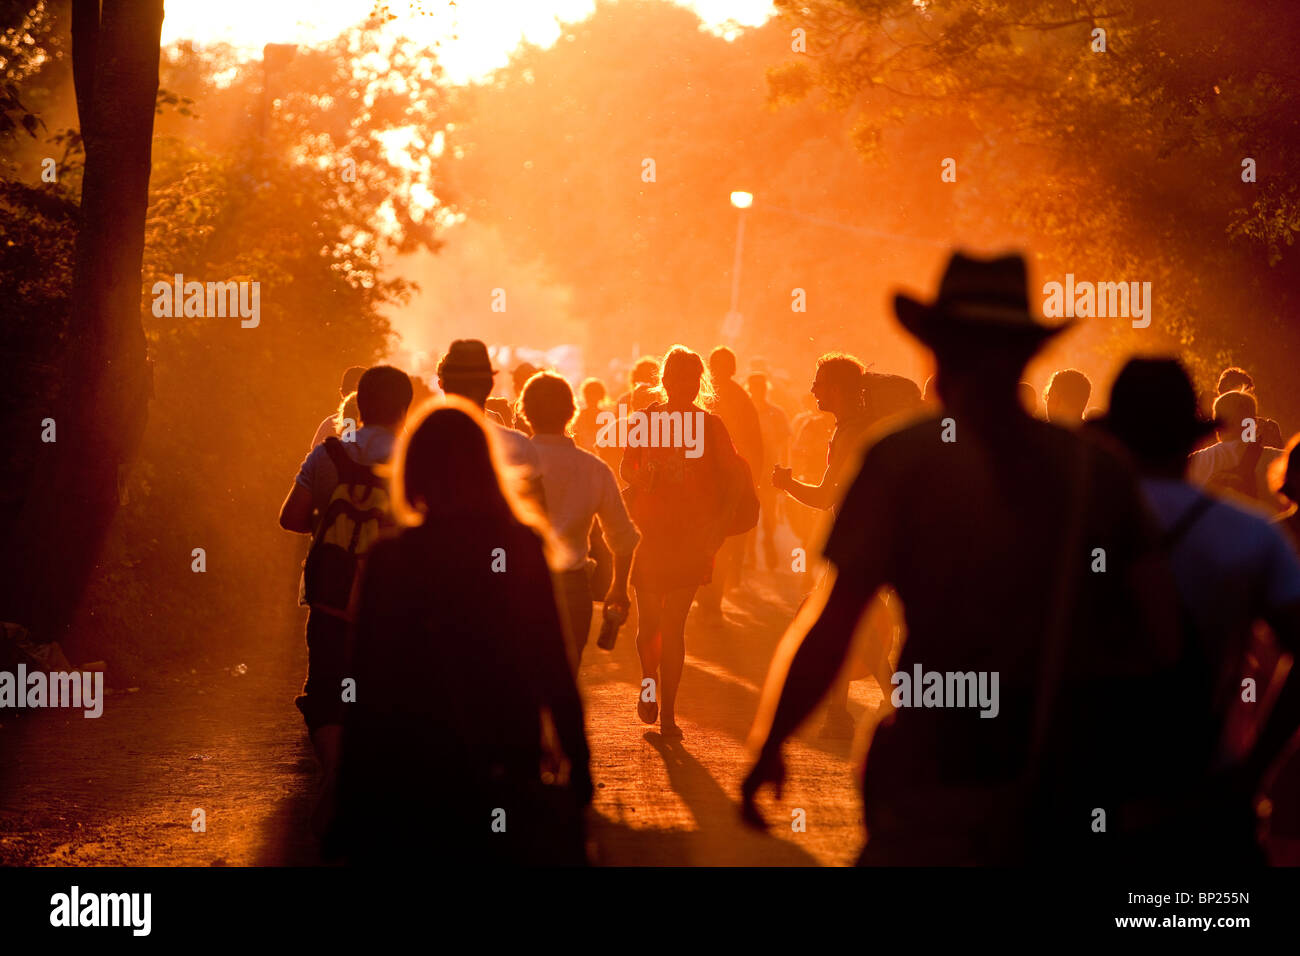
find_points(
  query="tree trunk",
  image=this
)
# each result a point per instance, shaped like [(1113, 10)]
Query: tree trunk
[(106, 380)]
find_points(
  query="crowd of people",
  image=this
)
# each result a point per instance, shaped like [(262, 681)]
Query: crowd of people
[(1128, 578)]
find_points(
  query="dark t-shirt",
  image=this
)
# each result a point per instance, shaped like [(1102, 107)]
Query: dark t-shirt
[(970, 534)]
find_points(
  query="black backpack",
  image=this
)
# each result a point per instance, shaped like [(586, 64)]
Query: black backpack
[(358, 510)]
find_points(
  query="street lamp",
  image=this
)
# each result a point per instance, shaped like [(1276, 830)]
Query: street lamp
[(731, 325)]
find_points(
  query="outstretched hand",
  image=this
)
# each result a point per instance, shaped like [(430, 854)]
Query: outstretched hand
[(768, 769)]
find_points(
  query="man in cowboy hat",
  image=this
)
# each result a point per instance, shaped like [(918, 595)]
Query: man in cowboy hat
[(985, 522), (1234, 569), (466, 370)]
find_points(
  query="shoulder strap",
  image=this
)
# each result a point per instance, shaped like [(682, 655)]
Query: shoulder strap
[(350, 472), (1176, 531)]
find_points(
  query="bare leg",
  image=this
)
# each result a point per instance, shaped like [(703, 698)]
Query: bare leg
[(649, 647), (677, 604)]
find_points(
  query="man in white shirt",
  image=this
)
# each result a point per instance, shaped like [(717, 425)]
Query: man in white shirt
[(466, 370), (1238, 462), (1232, 566), (579, 487)]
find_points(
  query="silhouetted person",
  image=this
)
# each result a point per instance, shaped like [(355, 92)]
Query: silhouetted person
[(466, 370), (983, 520), (731, 404), (347, 386), (579, 488), (839, 389), (644, 372), (678, 503), (585, 426), (776, 451), (1237, 464), (1234, 570), (1066, 397), (459, 651), (383, 396), (1236, 379), (837, 386)]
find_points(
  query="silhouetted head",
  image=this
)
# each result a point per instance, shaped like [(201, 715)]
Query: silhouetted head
[(722, 363), (520, 376), (351, 379), (1235, 379), (466, 370), (837, 385), (593, 393), (1066, 397), (1284, 473), (757, 387), (548, 403), (1231, 409), (982, 332), (1153, 413), (383, 396), (645, 372), (682, 376), (447, 464)]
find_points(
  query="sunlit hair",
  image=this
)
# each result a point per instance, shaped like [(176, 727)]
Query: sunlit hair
[(646, 371), (1071, 386), (547, 402), (347, 409), (1233, 408), (1284, 472), (841, 370), (679, 360), (1235, 379), (449, 462)]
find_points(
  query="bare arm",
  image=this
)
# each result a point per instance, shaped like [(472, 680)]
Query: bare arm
[(295, 513), (820, 496)]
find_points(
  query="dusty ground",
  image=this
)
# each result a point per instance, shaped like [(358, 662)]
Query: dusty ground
[(122, 789)]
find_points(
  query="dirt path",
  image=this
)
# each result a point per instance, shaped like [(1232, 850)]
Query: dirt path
[(121, 790)]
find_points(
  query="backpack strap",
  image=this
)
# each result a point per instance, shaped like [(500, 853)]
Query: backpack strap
[(1176, 531), (349, 471)]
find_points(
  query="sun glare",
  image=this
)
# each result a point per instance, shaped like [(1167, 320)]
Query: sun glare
[(472, 38)]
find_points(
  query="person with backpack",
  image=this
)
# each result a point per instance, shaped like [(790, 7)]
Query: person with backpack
[(685, 508), (339, 499), (1233, 569)]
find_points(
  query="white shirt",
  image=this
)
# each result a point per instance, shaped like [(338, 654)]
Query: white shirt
[(1227, 455), (578, 487)]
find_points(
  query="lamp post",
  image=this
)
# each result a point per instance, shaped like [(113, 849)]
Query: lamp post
[(731, 325)]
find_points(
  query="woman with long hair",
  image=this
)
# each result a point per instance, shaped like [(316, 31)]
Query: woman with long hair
[(459, 654), (678, 501)]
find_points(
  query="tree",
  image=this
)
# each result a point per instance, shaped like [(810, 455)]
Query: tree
[(105, 378)]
